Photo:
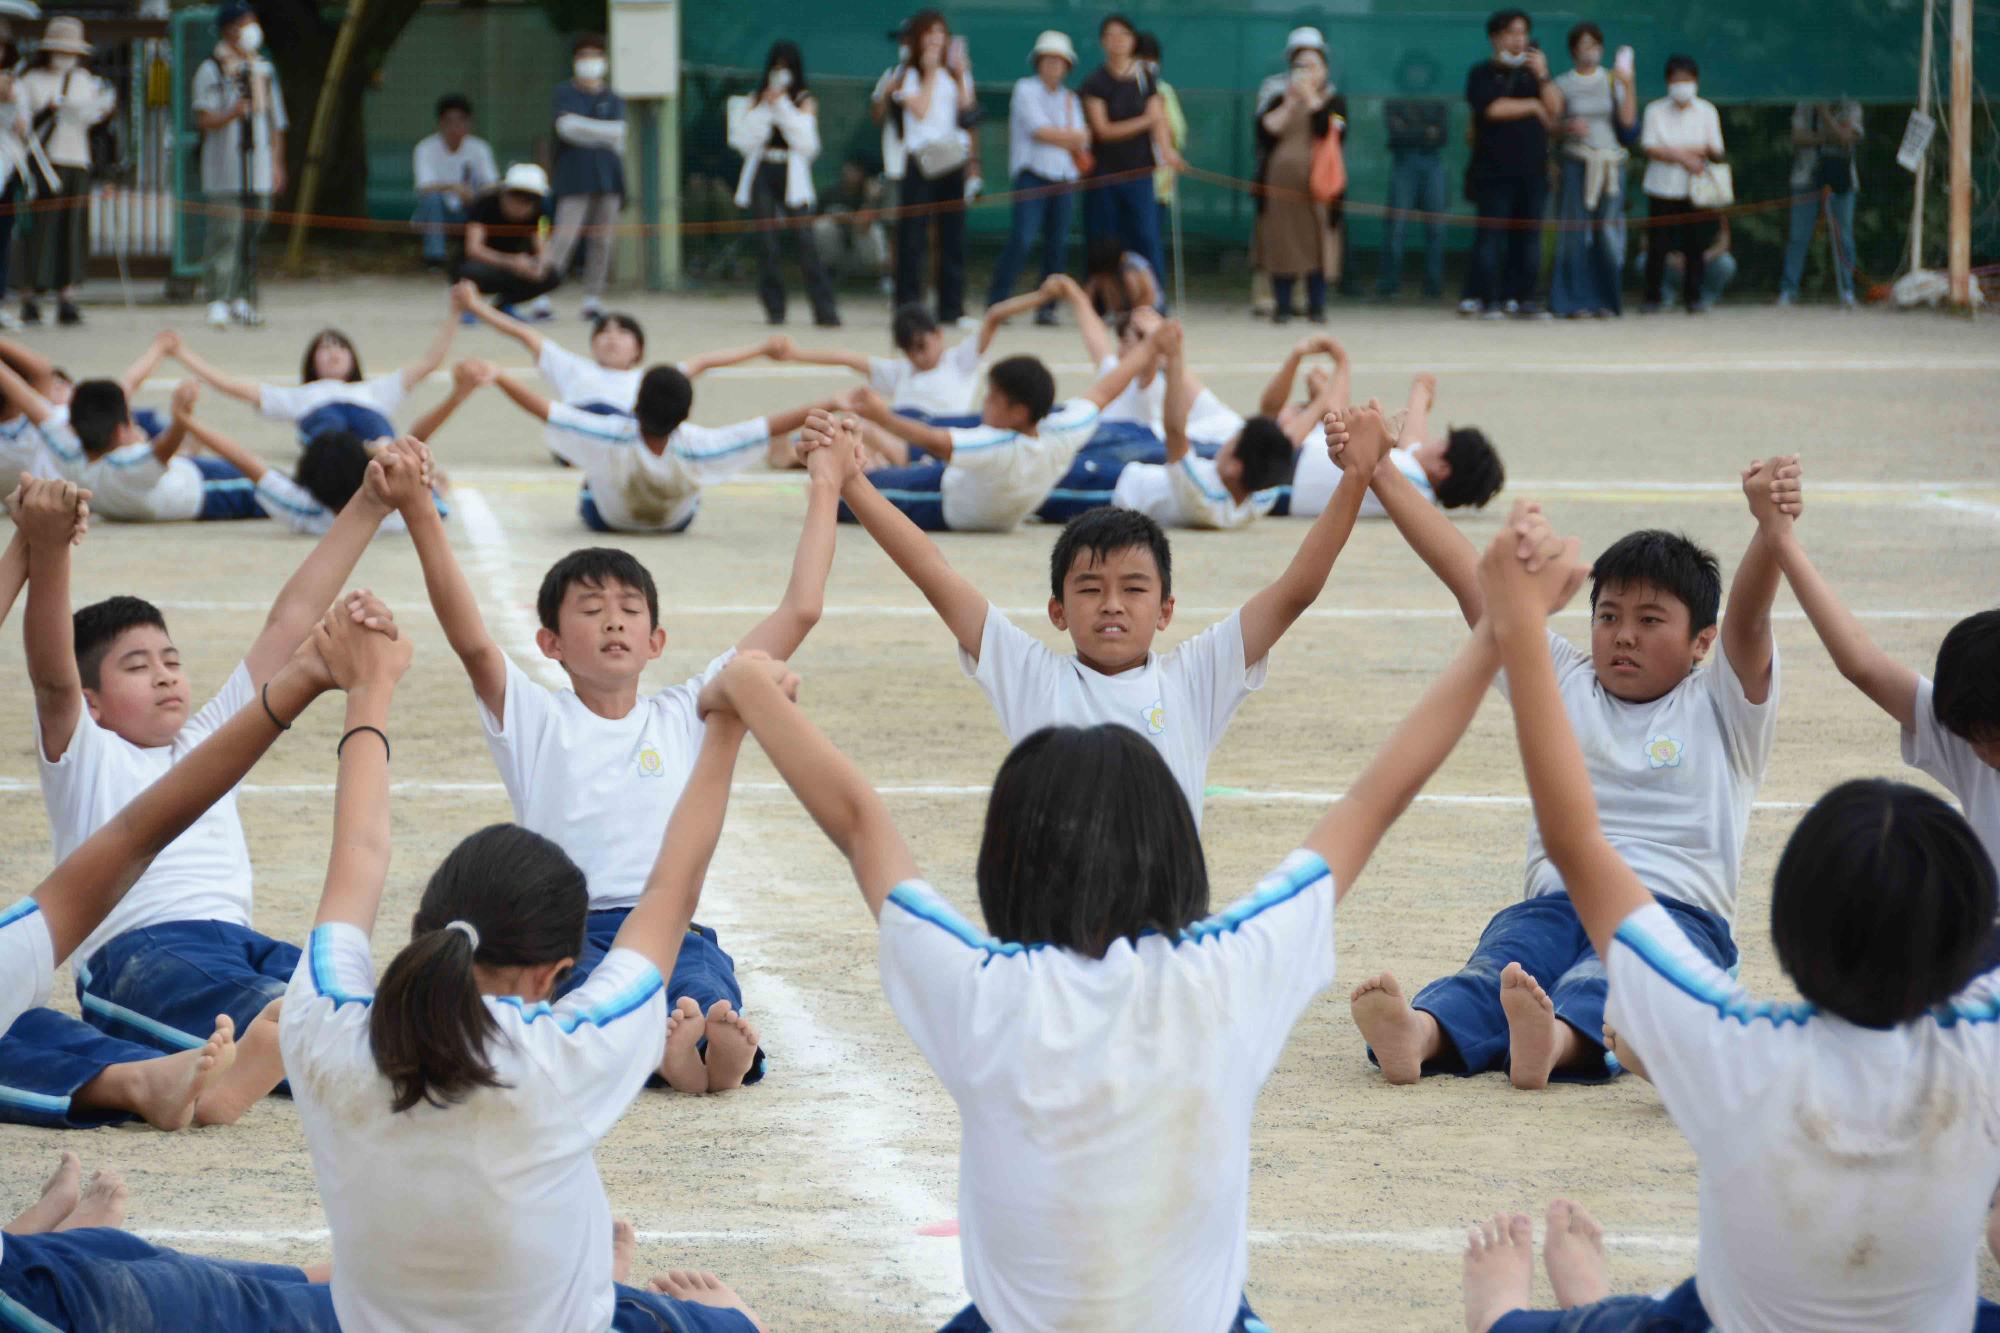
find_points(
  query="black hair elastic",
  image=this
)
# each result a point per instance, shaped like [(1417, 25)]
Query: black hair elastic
[(265, 695), (357, 731)]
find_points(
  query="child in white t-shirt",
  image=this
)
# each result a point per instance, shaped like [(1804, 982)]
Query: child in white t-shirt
[(22, 448), (452, 1110), (599, 768), (1679, 717), (1111, 589), (1106, 1020), (1458, 471), (1847, 1145)]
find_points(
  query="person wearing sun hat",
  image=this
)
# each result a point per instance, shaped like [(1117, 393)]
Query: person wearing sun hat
[(1046, 137), (235, 88), (505, 245), (63, 101)]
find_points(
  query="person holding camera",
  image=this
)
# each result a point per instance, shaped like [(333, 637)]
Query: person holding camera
[(778, 135), (241, 114), (934, 97), (1514, 106), (63, 101), (1824, 138), (1292, 230)]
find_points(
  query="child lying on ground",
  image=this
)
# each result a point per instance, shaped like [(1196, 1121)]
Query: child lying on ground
[(1459, 471)]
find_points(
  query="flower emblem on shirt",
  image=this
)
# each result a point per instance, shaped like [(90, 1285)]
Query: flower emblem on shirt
[(649, 763), (1155, 715), (1663, 751)]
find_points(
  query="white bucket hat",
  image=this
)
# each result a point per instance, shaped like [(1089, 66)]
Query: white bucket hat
[(526, 178), (65, 34), (1053, 43), (1304, 39)]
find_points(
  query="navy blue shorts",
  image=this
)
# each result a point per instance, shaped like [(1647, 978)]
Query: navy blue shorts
[(1545, 937), (586, 509), (365, 423), (149, 421), (46, 1058), (702, 971), (110, 1281), (969, 1320), (917, 490), (225, 492), (162, 986), (655, 1312)]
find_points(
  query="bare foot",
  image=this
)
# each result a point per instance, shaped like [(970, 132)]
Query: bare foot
[(258, 1068), (703, 1289), (624, 1249), (1535, 1036), (1573, 1252), (732, 1047), (102, 1204), (682, 1068), (59, 1196), (1401, 1037), (178, 1092), (1628, 1059), (1499, 1269)]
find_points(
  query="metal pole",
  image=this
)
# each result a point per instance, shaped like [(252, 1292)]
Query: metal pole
[(1923, 108), (307, 199), (1961, 153), (1180, 283)]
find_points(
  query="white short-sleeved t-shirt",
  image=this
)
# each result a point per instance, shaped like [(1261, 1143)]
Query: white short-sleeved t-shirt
[(484, 1214), (1188, 494), (1951, 759), (1105, 1104), (1845, 1171), (203, 875), (285, 501), (128, 483), (581, 382), (1317, 476), (600, 788), (1181, 701), (27, 961), (637, 490), (1674, 778), (995, 478), (380, 393), (1144, 402), (948, 389), (23, 450)]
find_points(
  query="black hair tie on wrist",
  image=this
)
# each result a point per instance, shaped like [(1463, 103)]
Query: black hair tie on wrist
[(357, 731), (265, 695)]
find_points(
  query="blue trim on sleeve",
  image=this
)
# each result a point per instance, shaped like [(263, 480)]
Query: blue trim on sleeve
[(628, 1001), (319, 950), (277, 497), (1301, 871), (927, 907), (20, 911), (596, 426), (1194, 475), (732, 446), (1000, 439), (1965, 1011), (1726, 1002)]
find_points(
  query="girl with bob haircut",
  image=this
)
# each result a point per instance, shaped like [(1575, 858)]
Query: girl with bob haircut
[(452, 1111), (1106, 1035), (1848, 1145)]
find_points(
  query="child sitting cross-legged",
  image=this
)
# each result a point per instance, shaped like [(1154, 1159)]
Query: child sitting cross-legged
[(1847, 1145), (1107, 1013)]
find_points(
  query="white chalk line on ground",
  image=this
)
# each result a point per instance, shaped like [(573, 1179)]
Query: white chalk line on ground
[(1978, 508)]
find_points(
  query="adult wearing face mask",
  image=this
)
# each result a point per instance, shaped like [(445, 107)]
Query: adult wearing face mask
[(778, 135), (1293, 119), (236, 94), (63, 99), (1514, 105), (1682, 135), (590, 170)]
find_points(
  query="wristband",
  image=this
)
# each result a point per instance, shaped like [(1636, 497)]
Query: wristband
[(265, 695), (355, 731)]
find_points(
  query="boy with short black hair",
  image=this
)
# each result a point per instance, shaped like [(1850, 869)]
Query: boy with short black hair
[(111, 714), (598, 768), (1111, 590), (1676, 753)]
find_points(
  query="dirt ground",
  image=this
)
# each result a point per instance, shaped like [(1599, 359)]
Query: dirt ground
[(826, 1194)]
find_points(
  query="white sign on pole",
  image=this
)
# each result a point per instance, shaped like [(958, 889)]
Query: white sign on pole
[(645, 48), (1916, 140)]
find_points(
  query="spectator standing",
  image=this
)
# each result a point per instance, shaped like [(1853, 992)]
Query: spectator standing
[(240, 110), (1045, 137), (1416, 173), (1128, 129), (1682, 136), (1600, 114), (506, 255), (452, 167), (62, 100), (1175, 136), (933, 96), (1513, 107), (1290, 239), (590, 169), (778, 135), (850, 237), (1824, 138), (16, 170)]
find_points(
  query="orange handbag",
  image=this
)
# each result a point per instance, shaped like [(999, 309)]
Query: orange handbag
[(1328, 180)]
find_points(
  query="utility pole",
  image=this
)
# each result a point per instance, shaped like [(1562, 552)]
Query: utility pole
[(1961, 153), (1923, 109)]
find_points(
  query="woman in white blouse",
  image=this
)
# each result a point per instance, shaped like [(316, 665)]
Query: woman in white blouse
[(778, 135), (63, 100), (934, 94), (1682, 137)]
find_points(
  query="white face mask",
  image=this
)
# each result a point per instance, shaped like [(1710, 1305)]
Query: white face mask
[(1682, 93), (781, 79), (62, 62), (591, 68), (1513, 58), (250, 37)]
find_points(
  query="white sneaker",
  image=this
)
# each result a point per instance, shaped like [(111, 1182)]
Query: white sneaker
[(245, 314), (218, 314), (966, 324), (10, 321), (540, 309)]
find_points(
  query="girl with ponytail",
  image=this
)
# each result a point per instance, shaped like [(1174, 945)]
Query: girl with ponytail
[(452, 1110)]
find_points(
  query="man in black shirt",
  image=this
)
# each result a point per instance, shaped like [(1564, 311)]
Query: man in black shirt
[(503, 240), (1416, 172), (1128, 126), (1514, 105)]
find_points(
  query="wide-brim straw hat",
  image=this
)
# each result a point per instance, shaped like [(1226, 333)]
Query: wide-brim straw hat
[(64, 34)]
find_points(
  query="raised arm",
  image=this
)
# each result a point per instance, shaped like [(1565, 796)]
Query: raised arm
[(1097, 340), (35, 369), (467, 298), (534, 404), (1891, 684), (467, 377), (659, 921), (1774, 490), (1113, 383), (1601, 885), (248, 391), (996, 315), (1356, 439), (46, 516), (830, 356), (780, 633), (871, 406), (1278, 389), (168, 442), (826, 781), (163, 345), (211, 439), (455, 606), (367, 664), (777, 347), (420, 370), (1435, 538), (1417, 412), (1179, 397), (23, 395)]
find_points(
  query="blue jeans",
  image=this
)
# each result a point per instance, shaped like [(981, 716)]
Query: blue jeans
[(1716, 274), (434, 213), (100, 1278), (1679, 1311), (1416, 184), (969, 1320), (46, 1058), (1506, 260), (1839, 210), (1128, 211), (162, 986), (1046, 218), (1589, 260)]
